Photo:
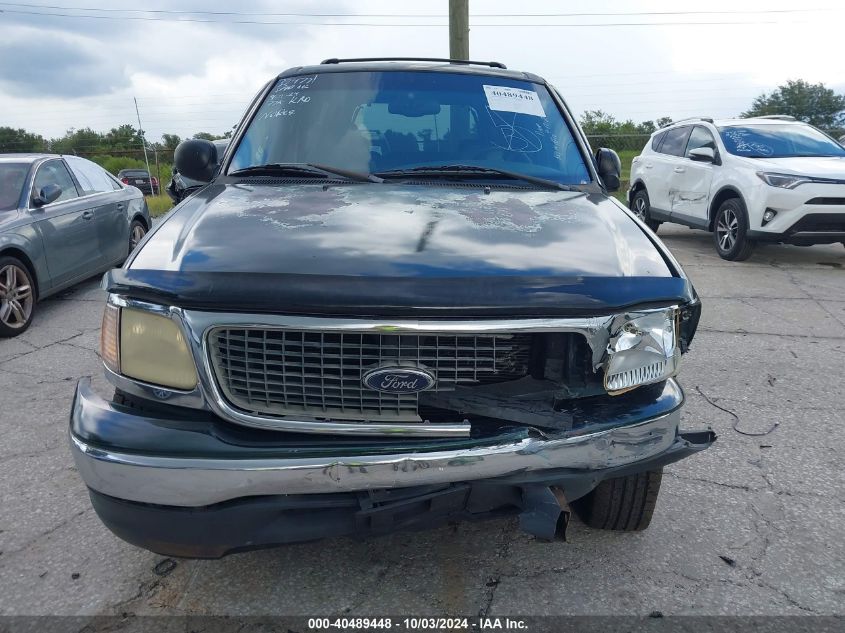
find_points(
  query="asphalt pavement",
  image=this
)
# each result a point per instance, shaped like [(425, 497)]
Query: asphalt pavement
[(751, 526)]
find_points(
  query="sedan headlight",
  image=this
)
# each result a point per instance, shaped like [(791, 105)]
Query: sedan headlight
[(147, 347), (642, 351), (784, 181)]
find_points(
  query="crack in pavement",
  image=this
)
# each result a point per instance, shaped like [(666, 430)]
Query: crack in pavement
[(754, 333), (48, 346), (12, 553), (492, 584)]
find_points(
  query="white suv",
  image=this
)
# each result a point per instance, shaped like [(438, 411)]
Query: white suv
[(759, 179)]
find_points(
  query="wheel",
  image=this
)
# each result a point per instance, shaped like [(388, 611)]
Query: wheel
[(730, 230), (640, 205), (17, 297), (136, 231), (624, 503)]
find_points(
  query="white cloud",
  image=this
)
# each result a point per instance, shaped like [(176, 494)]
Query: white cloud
[(190, 77)]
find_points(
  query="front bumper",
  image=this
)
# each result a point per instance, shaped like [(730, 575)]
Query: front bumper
[(183, 485), (812, 228), (202, 475)]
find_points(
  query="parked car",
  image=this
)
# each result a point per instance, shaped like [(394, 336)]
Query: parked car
[(763, 179), (141, 179), (62, 219), (404, 297), (181, 187)]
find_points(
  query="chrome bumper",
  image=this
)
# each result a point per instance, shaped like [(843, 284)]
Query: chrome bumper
[(198, 481)]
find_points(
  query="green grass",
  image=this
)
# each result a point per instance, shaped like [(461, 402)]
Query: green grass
[(159, 205)]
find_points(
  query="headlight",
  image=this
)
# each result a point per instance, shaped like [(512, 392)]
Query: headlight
[(643, 350), (147, 347), (784, 181)]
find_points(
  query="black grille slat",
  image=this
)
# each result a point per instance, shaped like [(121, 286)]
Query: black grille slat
[(279, 372)]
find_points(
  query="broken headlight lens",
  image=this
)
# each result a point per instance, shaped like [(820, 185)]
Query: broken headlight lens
[(642, 350)]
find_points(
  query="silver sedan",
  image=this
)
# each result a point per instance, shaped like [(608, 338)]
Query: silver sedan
[(62, 219)]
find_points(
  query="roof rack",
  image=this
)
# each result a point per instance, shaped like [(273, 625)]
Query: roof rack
[(335, 60), (778, 117), (691, 118)]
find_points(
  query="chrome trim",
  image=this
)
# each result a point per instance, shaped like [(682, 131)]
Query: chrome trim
[(196, 325), (193, 399), (196, 481)]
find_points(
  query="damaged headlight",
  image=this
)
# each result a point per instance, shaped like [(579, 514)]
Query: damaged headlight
[(643, 349), (147, 347)]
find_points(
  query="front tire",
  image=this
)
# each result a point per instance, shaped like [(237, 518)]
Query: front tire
[(730, 231), (17, 297), (624, 504), (641, 206)]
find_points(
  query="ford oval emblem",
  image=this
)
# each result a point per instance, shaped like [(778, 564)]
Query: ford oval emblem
[(398, 380)]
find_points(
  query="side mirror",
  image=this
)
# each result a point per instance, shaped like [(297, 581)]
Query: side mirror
[(609, 168), (196, 159), (703, 155), (49, 193)]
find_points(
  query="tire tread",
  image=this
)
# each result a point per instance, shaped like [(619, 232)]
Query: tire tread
[(622, 503)]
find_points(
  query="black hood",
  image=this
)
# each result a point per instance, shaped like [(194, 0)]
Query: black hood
[(311, 248)]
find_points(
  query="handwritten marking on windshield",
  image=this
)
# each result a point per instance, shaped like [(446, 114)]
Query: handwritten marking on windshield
[(516, 138)]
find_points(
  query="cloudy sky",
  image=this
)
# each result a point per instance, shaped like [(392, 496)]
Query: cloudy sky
[(194, 65)]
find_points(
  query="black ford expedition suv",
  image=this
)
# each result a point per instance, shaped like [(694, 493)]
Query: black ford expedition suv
[(404, 297)]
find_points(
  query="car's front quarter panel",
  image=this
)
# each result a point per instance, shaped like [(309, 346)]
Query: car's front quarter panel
[(18, 234)]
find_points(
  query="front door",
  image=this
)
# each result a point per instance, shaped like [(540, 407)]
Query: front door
[(66, 226)]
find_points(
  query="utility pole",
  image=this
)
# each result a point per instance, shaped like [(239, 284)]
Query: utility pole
[(143, 144), (459, 29)]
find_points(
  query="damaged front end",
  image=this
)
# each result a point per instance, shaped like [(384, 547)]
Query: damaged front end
[(273, 419), (312, 374)]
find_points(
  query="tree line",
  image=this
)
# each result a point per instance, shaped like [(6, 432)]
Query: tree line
[(815, 104)]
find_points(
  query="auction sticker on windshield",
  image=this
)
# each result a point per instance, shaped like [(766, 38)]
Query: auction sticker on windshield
[(505, 99)]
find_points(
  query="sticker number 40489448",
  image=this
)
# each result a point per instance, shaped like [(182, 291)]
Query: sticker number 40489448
[(505, 99)]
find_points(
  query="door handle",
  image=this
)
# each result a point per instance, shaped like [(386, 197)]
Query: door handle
[(679, 170), (120, 206), (648, 165), (87, 215)]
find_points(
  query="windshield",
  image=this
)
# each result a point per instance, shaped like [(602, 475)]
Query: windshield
[(373, 122), (778, 141), (12, 179)]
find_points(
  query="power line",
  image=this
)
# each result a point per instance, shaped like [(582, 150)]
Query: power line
[(391, 24), (419, 15)]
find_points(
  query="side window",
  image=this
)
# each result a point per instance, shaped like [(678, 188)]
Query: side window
[(675, 141), (700, 137), (54, 172), (656, 141), (91, 176)]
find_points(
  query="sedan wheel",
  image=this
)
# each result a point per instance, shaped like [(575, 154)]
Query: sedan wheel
[(136, 234), (16, 297)]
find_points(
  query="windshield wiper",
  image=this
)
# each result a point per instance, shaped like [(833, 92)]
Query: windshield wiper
[(306, 169), (474, 171)]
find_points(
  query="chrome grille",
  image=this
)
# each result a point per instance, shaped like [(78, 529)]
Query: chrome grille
[(284, 372)]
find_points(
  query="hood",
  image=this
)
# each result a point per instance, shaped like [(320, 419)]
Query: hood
[(818, 166), (393, 243), (400, 231)]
